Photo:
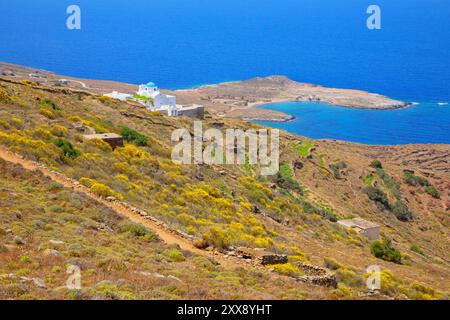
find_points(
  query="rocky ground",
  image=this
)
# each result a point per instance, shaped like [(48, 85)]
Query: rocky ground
[(241, 99)]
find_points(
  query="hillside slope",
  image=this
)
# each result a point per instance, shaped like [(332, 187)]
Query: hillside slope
[(232, 208)]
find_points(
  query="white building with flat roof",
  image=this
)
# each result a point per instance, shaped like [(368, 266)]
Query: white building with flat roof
[(119, 96), (365, 228)]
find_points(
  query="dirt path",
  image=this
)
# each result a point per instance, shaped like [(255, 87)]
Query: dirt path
[(165, 234), (76, 81)]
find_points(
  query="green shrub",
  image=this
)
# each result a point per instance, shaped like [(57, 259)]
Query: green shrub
[(304, 148), (108, 291), (384, 250), (308, 207), (25, 259), (284, 179), (286, 171), (414, 180), (174, 255), (67, 148), (133, 136), (433, 192), (415, 248), (50, 104), (401, 211), (390, 183), (376, 164), (377, 196), (138, 230)]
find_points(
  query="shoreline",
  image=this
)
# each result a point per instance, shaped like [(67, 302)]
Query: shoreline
[(244, 99), (232, 99), (290, 117)]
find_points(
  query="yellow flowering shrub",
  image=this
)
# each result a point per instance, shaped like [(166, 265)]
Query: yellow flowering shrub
[(47, 113), (287, 269), (131, 152), (126, 168), (42, 133), (17, 123), (87, 182), (38, 149), (123, 181), (97, 145), (104, 191), (4, 124), (59, 131), (4, 98), (246, 205)]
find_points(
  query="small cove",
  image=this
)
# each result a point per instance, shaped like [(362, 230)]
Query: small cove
[(426, 122)]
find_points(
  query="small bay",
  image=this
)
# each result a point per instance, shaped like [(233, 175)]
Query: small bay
[(426, 122)]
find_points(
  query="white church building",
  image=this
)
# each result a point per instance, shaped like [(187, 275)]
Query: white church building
[(150, 90), (151, 97)]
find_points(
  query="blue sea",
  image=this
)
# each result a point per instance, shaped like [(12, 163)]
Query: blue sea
[(421, 123), (186, 43)]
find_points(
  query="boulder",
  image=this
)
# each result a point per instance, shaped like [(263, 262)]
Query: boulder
[(19, 241), (51, 253), (39, 283), (57, 243)]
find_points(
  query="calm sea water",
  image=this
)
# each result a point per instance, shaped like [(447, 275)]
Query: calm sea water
[(184, 43), (422, 123)]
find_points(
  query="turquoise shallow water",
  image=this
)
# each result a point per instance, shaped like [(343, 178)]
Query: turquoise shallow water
[(422, 123)]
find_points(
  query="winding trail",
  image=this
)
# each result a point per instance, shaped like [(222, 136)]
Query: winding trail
[(166, 234)]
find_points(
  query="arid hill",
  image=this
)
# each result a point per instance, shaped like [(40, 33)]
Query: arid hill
[(229, 210)]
